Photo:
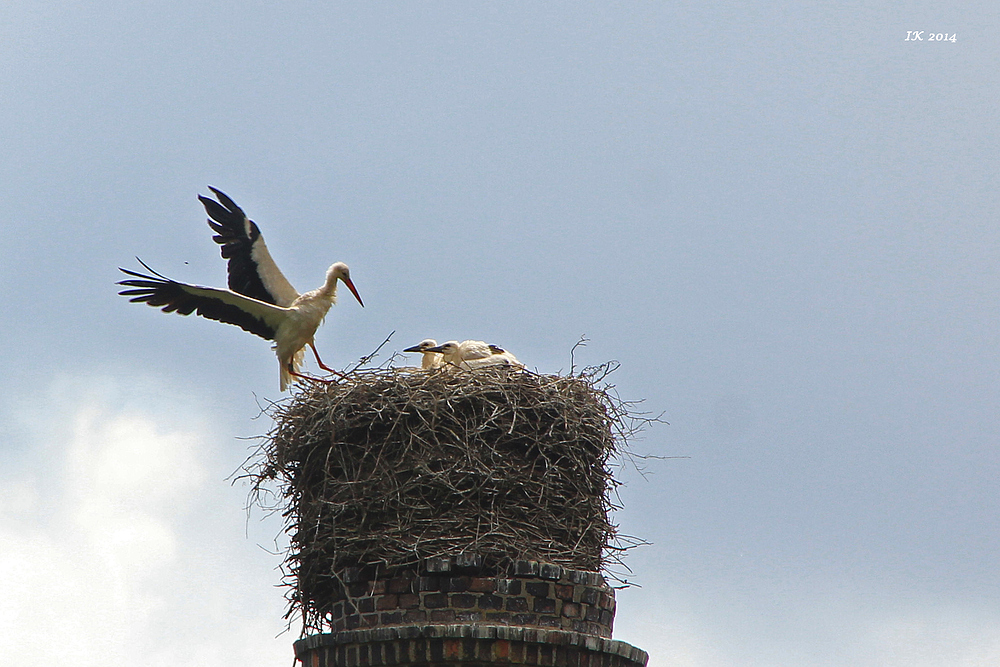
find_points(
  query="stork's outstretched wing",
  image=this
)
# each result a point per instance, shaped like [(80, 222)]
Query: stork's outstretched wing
[(221, 305), (252, 272)]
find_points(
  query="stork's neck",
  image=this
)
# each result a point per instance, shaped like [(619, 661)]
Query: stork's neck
[(329, 289)]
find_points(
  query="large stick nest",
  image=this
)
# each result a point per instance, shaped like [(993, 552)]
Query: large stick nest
[(390, 467)]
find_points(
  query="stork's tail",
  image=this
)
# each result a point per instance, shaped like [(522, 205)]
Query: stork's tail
[(284, 376)]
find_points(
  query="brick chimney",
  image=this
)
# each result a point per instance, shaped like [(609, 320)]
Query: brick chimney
[(451, 611)]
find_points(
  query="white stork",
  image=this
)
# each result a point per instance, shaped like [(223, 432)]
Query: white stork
[(260, 300), (471, 354), (430, 360)]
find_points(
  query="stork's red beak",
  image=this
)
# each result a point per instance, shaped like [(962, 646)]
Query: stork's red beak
[(350, 286)]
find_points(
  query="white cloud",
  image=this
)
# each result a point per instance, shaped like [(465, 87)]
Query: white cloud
[(120, 537), (113, 547), (127, 482)]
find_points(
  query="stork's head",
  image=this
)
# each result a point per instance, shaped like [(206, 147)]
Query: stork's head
[(339, 271), (447, 349), (423, 346)]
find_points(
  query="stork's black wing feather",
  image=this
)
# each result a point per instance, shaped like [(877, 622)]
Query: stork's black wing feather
[(259, 318), (252, 272)]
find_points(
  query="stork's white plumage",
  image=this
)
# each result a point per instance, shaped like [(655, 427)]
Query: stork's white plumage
[(260, 300), (471, 354), (500, 357), (430, 360), (455, 354)]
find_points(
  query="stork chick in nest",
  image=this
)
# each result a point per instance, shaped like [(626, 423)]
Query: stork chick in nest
[(472, 354), (430, 360)]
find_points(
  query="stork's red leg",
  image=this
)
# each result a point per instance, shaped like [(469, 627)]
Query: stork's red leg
[(311, 378), (322, 365)]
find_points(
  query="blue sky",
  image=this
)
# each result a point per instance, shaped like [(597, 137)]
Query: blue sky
[(780, 219)]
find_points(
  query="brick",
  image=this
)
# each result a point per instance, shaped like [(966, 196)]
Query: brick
[(365, 605), (508, 586), (391, 617), (359, 589), (590, 596), (456, 584), (436, 600), (414, 616), (498, 617), (428, 584), (463, 600), (437, 565), (409, 601), (436, 649), (585, 578), (607, 618), (469, 561), (549, 571), (517, 653), (370, 620), (490, 602), (352, 622), (525, 568), (468, 616), (378, 587), (550, 621), (544, 606), (443, 616), (592, 613), (452, 649), (571, 610), (482, 585), (537, 588), (564, 592), (399, 585), (524, 619), (387, 602), (517, 604)]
